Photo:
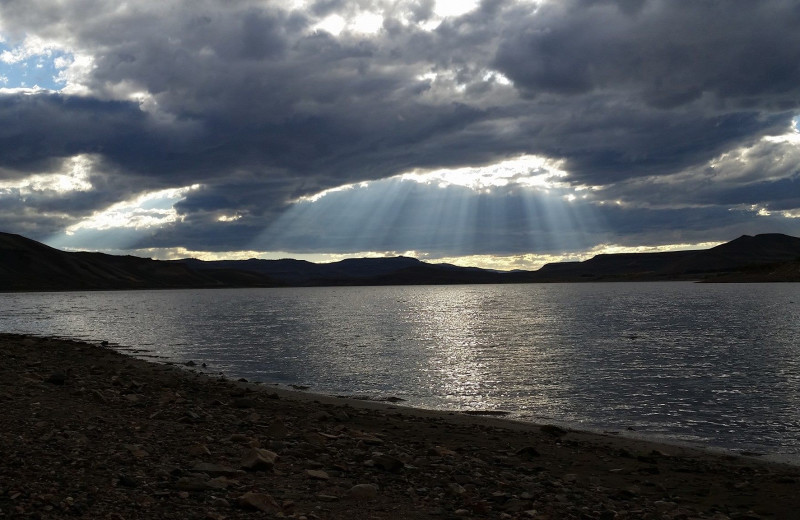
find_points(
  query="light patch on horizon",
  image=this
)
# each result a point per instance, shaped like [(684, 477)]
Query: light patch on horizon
[(613, 249), (178, 253), (533, 261), (526, 262)]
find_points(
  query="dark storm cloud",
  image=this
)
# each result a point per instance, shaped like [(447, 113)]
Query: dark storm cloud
[(668, 53), (38, 130), (246, 99)]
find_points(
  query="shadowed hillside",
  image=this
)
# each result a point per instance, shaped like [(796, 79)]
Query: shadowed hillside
[(738, 260), (27, 265)]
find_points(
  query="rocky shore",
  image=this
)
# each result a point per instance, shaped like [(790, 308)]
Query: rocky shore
[(87, 432)]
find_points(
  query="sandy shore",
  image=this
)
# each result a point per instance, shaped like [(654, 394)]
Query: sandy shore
[(88, 432)]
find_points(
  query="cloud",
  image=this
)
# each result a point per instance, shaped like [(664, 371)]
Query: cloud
[(665, 105)]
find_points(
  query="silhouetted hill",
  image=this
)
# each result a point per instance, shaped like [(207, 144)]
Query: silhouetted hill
[(301, 272), (27, 265), (741, 255)]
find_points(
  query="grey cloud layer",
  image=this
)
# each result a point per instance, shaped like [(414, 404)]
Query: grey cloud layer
[(247, 100)]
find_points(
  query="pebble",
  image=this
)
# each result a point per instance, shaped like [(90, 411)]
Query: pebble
[(57, 378), (317, 474), (214, 469), (387, 462), (259, 459), (260, 501), (363, 492)]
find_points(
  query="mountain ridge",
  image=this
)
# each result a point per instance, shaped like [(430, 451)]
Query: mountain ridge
[(27, 265)]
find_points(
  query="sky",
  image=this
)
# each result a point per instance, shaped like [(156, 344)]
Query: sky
[(496, 133)]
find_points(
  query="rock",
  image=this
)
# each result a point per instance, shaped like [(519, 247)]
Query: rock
[(56, 378), (387, 462), (259, 459), (243, 402), (214, 469), (322, 415), (515, 505), (363, 492), (240, 438), (340, 415), (553, 430), (528, 452), (277, 430), (191, 483), (220, 483), (440, 451), (260, 501), (368, 439), (127, 481), (136, 451), (198, 450), (317, 474), (190, 363), (455, 489)]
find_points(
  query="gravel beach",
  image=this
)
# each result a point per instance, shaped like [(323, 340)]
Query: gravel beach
[(88, 432)]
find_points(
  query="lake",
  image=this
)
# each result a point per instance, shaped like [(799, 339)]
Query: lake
[(716, 365)]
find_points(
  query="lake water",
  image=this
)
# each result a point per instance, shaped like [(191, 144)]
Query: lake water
[(717, 365)]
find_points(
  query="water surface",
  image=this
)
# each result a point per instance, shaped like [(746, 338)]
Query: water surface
[(714, 364)]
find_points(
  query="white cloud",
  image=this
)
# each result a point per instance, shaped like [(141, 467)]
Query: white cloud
[(446, 8), (31, 46), (76, 178), (149, 210), (524, 171)]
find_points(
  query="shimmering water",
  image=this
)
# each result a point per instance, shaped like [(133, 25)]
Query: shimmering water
[(713, 364)]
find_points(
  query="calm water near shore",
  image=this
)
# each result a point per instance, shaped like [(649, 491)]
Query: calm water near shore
[(718, 365)]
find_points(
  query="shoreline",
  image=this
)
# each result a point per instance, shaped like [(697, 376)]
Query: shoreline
[(92, 432), (496, 418), (391, 402)]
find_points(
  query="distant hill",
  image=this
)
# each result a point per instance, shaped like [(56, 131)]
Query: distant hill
[(743, 257), (27, 265)]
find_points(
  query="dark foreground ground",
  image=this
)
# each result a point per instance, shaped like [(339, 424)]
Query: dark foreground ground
[(87, 432)]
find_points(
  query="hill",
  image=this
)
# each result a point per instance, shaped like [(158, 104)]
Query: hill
[(738, 260), (27, 265)]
